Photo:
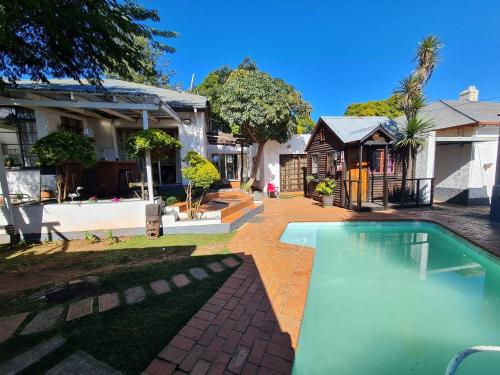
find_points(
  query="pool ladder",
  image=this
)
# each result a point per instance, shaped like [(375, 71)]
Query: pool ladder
[(457, 359)]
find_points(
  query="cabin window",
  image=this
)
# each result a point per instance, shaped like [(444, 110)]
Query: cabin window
[(322, 135), (72, 125), (314, 165), (377, 164), (331, 164)]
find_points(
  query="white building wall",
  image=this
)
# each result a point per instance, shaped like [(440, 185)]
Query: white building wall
[(483, 160), (424, 167), (269, 167)]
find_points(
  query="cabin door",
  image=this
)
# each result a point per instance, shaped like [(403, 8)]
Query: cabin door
[(353, 166)]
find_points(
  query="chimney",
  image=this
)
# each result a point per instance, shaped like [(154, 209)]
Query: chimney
[(470, 94)]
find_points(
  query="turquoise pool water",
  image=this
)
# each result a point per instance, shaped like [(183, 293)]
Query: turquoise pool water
[(395, 298)]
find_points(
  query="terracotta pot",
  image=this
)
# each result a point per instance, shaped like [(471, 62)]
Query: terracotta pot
[(45, 195), (327, 200)]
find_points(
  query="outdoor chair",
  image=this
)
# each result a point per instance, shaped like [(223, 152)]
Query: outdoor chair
[(271, 189)]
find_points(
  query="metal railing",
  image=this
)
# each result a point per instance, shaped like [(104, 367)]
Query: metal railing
[(459, 357)]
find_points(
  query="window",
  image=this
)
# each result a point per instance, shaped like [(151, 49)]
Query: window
[(331, 164), (71, 125), (377, 162), (322, 135), (314, 165), (18, 133), (228, 165)]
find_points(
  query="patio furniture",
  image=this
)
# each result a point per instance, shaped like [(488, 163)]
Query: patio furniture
[(271, 189)]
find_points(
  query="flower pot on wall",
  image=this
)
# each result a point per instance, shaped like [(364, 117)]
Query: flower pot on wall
[(327, 200), (45, 195)]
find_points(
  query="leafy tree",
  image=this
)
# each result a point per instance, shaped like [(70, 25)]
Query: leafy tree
[(155, 141), (58, 150), (305, 125), (201, 174), (261, 108), (388, 107), (157, 73), (411, 137), (77, 39)]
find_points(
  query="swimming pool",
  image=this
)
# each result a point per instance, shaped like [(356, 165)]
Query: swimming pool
[(395, 298)]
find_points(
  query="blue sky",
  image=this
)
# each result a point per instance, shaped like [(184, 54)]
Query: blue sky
[(338, 52)]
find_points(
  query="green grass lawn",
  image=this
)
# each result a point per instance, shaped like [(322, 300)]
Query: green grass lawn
[(129, 337)]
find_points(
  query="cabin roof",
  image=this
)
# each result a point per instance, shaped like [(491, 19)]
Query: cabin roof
[(356, 128)]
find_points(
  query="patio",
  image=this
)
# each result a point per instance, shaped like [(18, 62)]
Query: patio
[(276, 276)]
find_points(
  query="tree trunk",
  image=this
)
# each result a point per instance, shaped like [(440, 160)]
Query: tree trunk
[(255, 165)]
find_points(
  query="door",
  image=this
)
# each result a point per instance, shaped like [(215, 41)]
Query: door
[(353, 166), (292, 172)]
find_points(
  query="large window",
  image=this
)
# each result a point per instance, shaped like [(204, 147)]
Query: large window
[(229, 165), (17, 135), (331, 164), (377, 162), (72, 125)]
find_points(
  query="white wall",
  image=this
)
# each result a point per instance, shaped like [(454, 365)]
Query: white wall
[(424, 167), (269, 168), (26, 181), (73, 219), (193, 136)]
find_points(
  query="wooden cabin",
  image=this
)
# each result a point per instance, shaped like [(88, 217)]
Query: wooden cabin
[(358, 152)]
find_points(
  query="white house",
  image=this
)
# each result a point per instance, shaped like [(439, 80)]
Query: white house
[(461, 152)]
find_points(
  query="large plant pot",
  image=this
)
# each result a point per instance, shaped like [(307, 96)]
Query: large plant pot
[(327, 200), (45, 195)]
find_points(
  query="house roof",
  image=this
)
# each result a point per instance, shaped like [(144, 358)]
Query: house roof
[(451, 113), (174, 98), (354, 128)]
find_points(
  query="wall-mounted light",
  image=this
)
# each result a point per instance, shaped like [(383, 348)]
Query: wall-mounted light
[(186, 121)]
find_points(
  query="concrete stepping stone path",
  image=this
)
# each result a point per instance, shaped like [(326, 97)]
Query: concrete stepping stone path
[(80, 308), (198, 273), (31, 356), (230, 262), (9, 324), (215, 267), (108, 301), (180, 280), (160, 287), (43, 321), (135, 295), (82, 363)]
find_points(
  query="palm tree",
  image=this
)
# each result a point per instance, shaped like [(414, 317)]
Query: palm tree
[(411, 100)]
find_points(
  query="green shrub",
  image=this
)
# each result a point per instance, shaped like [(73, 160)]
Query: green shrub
[(171, 200), (326, 187), (90, 238), (110, 238), (156, 141)]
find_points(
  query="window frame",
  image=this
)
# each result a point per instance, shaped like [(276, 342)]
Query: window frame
[(391, 163), (316, 157)]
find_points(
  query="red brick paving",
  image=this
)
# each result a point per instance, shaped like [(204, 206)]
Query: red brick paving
[(251, 324)]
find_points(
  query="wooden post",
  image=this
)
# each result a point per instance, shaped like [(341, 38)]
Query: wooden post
[(149, 170), (432, 192), (386, 192), (360, 171)]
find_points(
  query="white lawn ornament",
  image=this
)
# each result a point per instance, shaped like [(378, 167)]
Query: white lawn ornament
[(76, 194)]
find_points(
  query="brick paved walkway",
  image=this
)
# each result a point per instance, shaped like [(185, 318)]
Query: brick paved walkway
[(251, 324)]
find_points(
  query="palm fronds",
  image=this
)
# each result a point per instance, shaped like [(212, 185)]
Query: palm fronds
[(427, 57)]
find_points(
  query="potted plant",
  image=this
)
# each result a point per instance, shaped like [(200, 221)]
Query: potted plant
[(325, 189), (45, 193)]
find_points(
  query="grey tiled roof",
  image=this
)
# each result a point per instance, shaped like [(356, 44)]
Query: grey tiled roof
[(175, 99), (450, 113), (355, 128)]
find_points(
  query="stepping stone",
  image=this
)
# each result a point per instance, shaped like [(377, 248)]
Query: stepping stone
[(180, 280), (9, 324), (80, 309), (43, 321), (215, 267), (108, 301), (82, 363), (230, 262), (160, 286), (135, 295), (29, 357), (198, 273)]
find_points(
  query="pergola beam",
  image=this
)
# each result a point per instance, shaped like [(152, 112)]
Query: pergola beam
[(87, 113), (51, 103), (119, 114)]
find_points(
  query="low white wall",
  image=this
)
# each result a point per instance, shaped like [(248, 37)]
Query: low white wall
[(269, 168), (70, 220), (24, 181)]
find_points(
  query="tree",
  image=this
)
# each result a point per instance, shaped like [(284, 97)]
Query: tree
[(59, 150), (305, 125), (157, 74), (200, 173), (388, 107), (76, 39), (156, 141), (261, 108), (411, 137)]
